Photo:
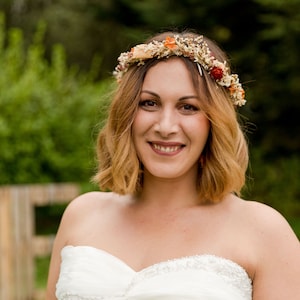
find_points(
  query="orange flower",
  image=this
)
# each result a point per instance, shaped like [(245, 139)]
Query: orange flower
[(243, 93), (170, 43), (233, 89)]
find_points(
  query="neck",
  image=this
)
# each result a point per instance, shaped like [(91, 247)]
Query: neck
[(169, 193)]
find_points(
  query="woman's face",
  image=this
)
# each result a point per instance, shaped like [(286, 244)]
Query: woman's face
[(170, 130)]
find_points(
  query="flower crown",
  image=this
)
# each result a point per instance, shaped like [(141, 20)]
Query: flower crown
[(194, 48)]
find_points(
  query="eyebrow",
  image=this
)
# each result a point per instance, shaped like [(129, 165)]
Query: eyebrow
[(180, 99)]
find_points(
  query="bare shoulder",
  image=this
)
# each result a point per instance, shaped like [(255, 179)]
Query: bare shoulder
[(277, 252), (92, 198), (262, 228), (92, 202), (266, 226), (86, 213), (84, 222), (267, 222)]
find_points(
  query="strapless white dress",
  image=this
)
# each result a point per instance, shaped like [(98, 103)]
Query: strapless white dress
[(89, 273)]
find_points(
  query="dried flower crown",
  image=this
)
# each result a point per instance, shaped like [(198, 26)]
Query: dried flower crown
[(194, 48)]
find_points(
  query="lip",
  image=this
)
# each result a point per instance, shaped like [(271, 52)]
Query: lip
[(166, 148)]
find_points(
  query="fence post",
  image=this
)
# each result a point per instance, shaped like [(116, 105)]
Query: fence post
[(5, 245), (17, 234)]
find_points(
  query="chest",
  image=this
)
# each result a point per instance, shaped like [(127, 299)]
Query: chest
[(143, 240)]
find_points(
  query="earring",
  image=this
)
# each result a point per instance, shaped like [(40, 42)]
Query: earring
[(201, 161)]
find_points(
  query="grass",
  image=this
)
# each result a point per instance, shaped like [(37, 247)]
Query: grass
[(41, 271)]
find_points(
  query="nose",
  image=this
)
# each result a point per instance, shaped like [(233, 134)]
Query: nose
[(167, 123)]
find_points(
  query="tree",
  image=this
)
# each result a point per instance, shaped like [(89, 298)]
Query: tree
[(48, 113)]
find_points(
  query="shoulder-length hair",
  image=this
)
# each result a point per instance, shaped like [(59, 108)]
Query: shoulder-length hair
[(224, 160)]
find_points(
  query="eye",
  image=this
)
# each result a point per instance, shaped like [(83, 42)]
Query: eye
[(189, 108), (149, 105)]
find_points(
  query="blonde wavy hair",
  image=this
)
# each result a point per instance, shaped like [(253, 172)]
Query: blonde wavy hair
[(223, 162)]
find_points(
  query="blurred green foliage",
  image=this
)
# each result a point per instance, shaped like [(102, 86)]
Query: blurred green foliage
[(275, 183), (49, 112)]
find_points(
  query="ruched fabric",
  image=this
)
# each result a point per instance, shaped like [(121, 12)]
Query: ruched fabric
[(89, 273)]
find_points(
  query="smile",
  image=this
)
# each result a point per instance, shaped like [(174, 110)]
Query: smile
[(167, 149)]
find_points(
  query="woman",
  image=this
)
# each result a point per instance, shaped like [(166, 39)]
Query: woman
[(174, 156)]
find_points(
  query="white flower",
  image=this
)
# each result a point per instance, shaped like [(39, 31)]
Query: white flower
[(195, 49)]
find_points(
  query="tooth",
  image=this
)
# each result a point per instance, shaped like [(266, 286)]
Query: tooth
[(167, 149)]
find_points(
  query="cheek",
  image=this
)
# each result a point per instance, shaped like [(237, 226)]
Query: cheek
[(142, 122), (198, 128)]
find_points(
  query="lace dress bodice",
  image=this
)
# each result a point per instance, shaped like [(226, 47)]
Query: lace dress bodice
[(89, 273)]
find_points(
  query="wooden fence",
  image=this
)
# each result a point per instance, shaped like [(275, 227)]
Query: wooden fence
[(18, 243)]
